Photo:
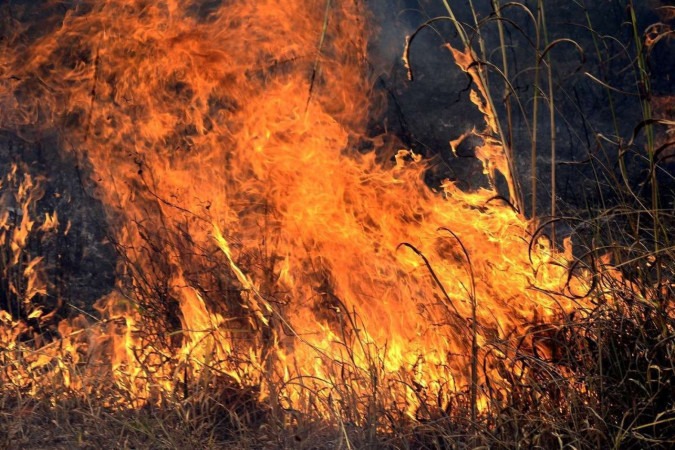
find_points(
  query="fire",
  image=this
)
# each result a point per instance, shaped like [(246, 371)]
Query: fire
[(258, 243)]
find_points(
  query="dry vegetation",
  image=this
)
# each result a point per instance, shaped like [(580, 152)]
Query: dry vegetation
[(600, 377)]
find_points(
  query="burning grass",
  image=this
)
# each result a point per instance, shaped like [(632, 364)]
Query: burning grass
[(297, 293), (591, 379)]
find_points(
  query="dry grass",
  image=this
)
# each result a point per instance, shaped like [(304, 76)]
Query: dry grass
[(604, 378), (599, 378)]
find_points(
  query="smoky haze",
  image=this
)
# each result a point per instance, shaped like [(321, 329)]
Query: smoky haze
[(434, 108)]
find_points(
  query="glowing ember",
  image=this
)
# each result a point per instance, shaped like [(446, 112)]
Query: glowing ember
[(259, 243)]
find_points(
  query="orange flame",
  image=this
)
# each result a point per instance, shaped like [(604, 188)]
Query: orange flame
[(258, 242)]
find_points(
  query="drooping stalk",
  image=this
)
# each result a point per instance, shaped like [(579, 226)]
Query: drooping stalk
[(551, 110), (505, 69), (645, 92), (515, 191), (535, 112)]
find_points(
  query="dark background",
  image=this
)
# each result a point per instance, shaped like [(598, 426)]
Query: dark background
[(435, 107)]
